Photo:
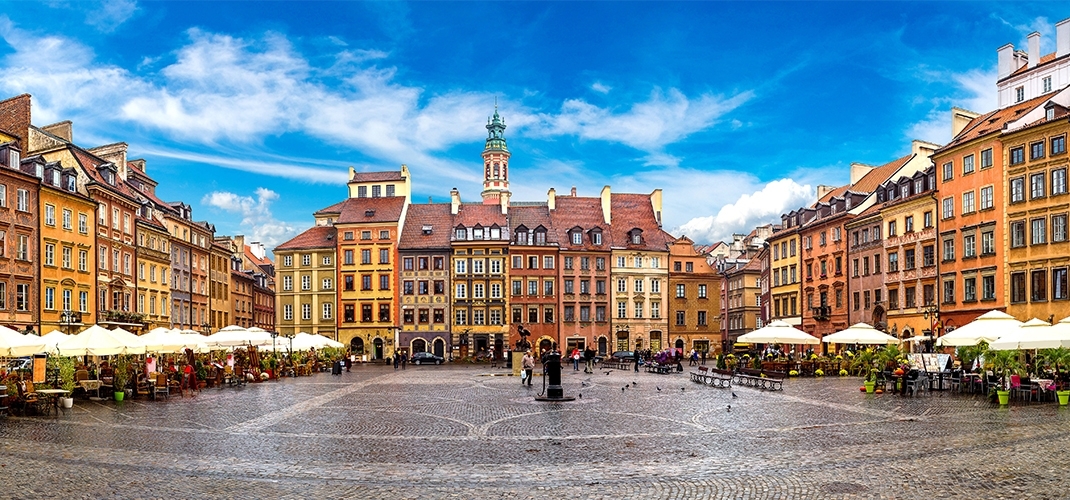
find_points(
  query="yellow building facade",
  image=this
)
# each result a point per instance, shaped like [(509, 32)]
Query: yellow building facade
[(306, 259), (785, 287)]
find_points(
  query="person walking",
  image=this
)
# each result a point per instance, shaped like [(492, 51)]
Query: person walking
[(527, 363), (404, 360), (635, 357), (703, 357), (588, 355), (396, 361), (575, 359)]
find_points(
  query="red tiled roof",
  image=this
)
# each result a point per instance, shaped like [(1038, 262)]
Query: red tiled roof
[(585, 212), (437, 216), (993, 121), (315, 237), (376, 177), (531, 217), (333, 209), (483, 215), (89, 163), (635, 211), (256, 260), (879, 175), (371, 210), (1043, 60)]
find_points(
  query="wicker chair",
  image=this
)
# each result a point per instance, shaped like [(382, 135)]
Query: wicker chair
[(162, 386)]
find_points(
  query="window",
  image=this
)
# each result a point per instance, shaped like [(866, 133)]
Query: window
[(986, 158), (702, 291), (366, 313), (384, 234), (83, 224), (638, 262), (461, 316), (948, 171), (988, 243), (1058, 181), (1019, 94), (599, 263), (1017, 155), (986, 197), (638, 286), (384, 255), (969, 245), (680, 291), (1038, 233), (327, 310), (1017, 287), (1017, 234), (949, 292), (287, 261), (1036, 185), (288, 312), (1058, 228), (1058, 145), (927, 220), (22, 203), (67, 258), (384, 281), (366, 282), (461, 291), (967, 202), (548, 262), (908, 224), (949, 251), (306, 282), (1017, 190), (622, 309), (377, 191), (1046, 84), (50, 254), (638, 310), (893, 262), (22, 296), (988, 288), (1036, 150), (22, 251), (306, 260), (548, 287), (1038, 285), (366, 256), (891, 228), (577, 237), (947, 208), (50, 215), (908, 258), (1058, 283), (967, 165), (680, 315), (478, 266)]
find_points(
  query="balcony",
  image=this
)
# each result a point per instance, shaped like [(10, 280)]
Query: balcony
[(822, 313)]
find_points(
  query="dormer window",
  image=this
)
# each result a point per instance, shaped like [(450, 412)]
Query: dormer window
[(576, 237), (72, 182), (39, 170), (55, 177), (13, 160), (477, 233), (596, 237), (847, 202), (427, 229), (495, 233), (1049, 113), (636, 236), (522, 235), (540, 235), (369, 213)]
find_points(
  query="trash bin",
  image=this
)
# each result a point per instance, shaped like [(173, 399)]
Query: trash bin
[(336, 368)]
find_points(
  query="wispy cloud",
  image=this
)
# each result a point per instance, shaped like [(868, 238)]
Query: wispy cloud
[(257, 220), (601, 88), (974, 90), (749, 210)]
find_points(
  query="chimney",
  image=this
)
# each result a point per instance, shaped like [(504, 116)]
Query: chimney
[(922, 148), (504, 200), (116, 154), (573, 190), (822, 190), (1033, 40), (1062, 38), (959, 119), (655, 201), (15, 119), (455, 201), (551, 199), (858, 171), (1004, 61), (63, 130), (606, 206)]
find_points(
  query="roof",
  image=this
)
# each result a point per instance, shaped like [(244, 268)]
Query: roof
[(879, 175), (531, 217), (635, 211), (333, 209), (371, 210), (89, 163), (256, 260), (993, 122), (436, 217), (1043, 60), (585, 212), (376, 177), (483, 215), (315, 237)]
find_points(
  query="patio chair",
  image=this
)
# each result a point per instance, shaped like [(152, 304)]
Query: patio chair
[(919, 383), (144, 388), (1021, 388), (30, 400), (162, 386)]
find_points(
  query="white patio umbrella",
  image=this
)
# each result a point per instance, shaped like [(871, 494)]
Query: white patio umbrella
[(987, 327), (131, 339), (778, 332), (238, 336), (54, 338), (859, 333), (15, 344), (165, 341), (99, 341), (1033, 334)]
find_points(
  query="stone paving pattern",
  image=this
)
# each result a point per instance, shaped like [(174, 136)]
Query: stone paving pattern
[(458, 431)]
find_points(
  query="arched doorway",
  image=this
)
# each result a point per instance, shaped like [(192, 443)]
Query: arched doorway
[(622, 342), (377, 345), (419, 345), (602, 345), (655, 341), (545, 345), (357, 346), (679, 345), (439, 347)]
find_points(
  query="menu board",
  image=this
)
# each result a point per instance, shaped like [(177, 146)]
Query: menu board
[(929, 362), (39, 363)]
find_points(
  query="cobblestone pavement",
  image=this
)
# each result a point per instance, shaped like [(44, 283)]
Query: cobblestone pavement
[(459, 432)]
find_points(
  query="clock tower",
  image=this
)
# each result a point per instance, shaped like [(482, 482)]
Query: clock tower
[(495, 162)]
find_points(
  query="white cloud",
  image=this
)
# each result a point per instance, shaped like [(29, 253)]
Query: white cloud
[(257, 221), (107, 15), (601, 88), (748, 211), (974, 90)]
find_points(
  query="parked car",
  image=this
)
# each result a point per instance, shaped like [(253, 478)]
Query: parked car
[(624, 356), (426, 358), (20, 364)]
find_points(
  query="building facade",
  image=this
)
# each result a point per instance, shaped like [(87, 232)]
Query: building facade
[(693, 287), (582, 234), (424, 251), (306, 259)]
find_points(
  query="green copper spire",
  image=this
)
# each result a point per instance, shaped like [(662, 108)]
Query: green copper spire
[(496, 131)]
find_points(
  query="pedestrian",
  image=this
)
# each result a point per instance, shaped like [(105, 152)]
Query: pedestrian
[(694, 358), (404, 360), (703, 357), (575, 359), (493, 360), (527, 363), (636, 358), (588, 355), (396, 361)]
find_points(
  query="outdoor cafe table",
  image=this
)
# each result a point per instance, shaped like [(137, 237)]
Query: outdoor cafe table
[(1044, 387), (53, 395), (91, 385)]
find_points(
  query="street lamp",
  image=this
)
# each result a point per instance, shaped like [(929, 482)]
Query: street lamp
[(931, 312)]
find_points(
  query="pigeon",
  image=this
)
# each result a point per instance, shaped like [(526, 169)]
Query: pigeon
[(607, 373), (658, 388), (580, 395), (622, 389), (729, 408), (584, 384), (734, 395), (633, 383), (681, 388)]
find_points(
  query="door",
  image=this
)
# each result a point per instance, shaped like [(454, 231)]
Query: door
[(440, 348), (357, 346), (602, 346), (378, 346)]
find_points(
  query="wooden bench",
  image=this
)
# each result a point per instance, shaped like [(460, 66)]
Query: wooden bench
[(766, 381), (611, 363), (653, 367), (713, 378)]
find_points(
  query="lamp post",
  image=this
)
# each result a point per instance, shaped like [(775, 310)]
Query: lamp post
[(931, 312), (291, 337)]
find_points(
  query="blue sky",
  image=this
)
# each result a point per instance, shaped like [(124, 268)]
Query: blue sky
[(253, 111)]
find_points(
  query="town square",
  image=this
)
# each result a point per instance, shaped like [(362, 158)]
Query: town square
[(523, 250)]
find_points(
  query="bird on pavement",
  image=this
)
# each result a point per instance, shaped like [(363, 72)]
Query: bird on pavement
[(681, 388), (729, 408), (658, 388), (633, 383), (607, 373), (580, 395), (584, 384), (622, 389), (734, 395)]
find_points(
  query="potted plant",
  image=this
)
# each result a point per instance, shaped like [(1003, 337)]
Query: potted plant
[(1002, 362), (871, 381), (121, 367), (66, 379), (1059, 356), (202, 374)]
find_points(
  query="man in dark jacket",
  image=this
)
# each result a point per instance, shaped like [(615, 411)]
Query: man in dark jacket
[(588, 356)]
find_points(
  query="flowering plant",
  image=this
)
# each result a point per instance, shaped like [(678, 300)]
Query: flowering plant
[(793, 373), (819, 372), (843, 373)]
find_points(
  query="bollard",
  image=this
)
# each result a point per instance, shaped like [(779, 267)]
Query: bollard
[(552, 367)]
